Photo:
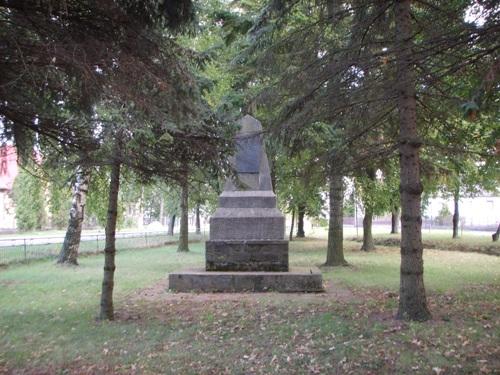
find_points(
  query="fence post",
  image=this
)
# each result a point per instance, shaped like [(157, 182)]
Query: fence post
[(146, 236), (97, 241), (25, 253)]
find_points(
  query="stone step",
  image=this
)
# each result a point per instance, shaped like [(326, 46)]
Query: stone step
[(256, 255), (303, 279), (247, 199)]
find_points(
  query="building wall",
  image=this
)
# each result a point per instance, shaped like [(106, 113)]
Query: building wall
[(8, 167), (8, 173), (481, 211)]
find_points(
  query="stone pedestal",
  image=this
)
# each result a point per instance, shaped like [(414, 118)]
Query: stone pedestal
[(251, 255), (247, 250)]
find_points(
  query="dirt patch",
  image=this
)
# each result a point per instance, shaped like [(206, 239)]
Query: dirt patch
[(156, 300), (9, 283), (159, 293)]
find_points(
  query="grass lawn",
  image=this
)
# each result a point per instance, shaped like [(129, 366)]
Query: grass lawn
[(47, 318)]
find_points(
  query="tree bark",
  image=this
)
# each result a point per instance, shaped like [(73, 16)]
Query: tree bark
[(273, 173), (198, 221), (301, 211), (110, 249), (395, 220), (171, 224), (183, 231), (412, 299), (335, 250), (69, 250), (456, 215), (368, 243), (292, 224), (496, 235), (162, 209)]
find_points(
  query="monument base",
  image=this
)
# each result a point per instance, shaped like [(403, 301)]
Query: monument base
[(303, 279), (249, 255)]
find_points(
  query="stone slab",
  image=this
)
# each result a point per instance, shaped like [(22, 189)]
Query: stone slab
[(245, 182), (256, 255), (303, 279), (248, 153), (247, 199)]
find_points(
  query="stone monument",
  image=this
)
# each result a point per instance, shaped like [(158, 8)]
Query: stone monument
[(246, 250)]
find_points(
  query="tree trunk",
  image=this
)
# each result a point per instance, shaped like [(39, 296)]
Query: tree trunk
[(335, 250), (171, 224), (301, 211), (198, 222), (273, 173), (368, 243), (412, 299), (69, 250), (456, 215), (183, 232), (292, 224), (395, 220), (162, 209), (496, 235), (110, 249)]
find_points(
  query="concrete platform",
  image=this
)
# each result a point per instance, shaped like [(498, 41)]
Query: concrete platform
[(303, 279)]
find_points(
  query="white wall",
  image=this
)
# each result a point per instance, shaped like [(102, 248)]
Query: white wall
[(7, 217), (482, 210)]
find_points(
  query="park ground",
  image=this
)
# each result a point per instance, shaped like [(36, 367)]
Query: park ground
[(48, 325)]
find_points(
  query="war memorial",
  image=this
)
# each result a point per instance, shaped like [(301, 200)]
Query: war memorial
[(247, 250)]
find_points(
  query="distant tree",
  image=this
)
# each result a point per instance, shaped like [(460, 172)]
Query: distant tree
[(184, 212), (443, 215), (28, 193), (97, 198), (375, 194), (467, 166), (368, 203), (299, 183), (59, 200), (390, 175), (171, 224), (204, 196)]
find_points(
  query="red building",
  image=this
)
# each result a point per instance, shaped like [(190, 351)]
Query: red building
[(8, 173), (8, 167)]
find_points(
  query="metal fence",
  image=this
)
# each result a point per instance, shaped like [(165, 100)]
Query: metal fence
[(18, 249)]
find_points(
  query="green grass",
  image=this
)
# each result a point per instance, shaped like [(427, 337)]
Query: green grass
[(47, 318), (42, 303), (444, 270)]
